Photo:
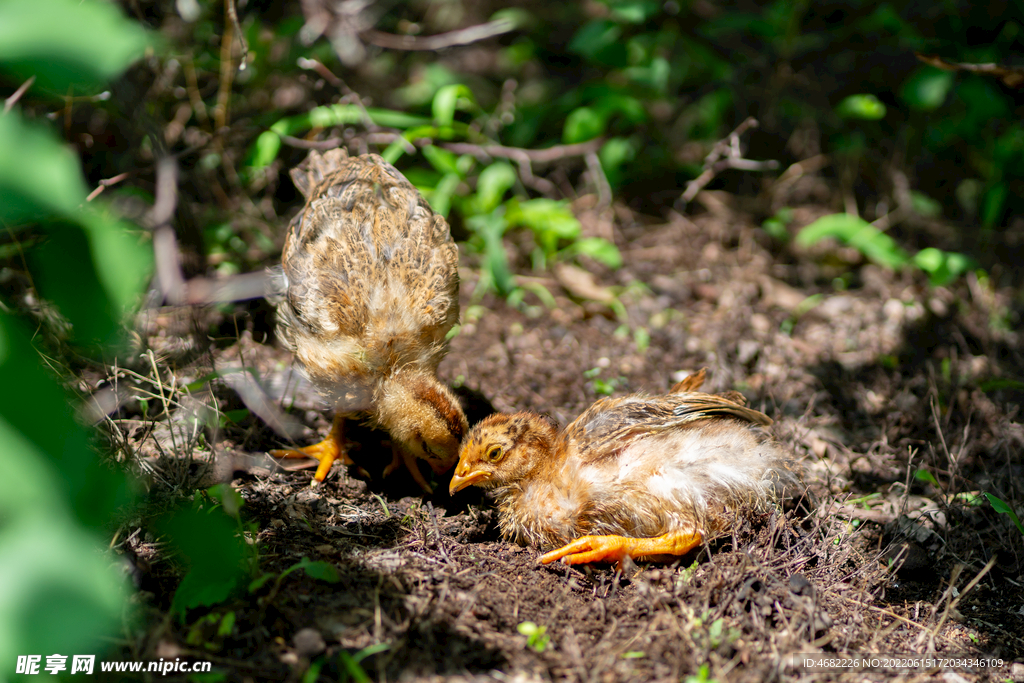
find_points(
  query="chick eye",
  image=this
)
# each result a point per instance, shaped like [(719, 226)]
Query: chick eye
[(494, 453)]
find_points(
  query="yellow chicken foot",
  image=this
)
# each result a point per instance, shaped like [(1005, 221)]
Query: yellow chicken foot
[(400, 456), (616, 548), (327, 451)]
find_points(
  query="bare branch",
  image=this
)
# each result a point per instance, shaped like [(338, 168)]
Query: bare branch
[(464, 36), (714, 163), (10, 101)]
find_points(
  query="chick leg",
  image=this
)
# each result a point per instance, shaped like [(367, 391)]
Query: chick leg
[(616, 548), (400, 456), (327, 451)]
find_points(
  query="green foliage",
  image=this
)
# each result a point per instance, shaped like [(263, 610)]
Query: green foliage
[(61, 591), (537, 638), (1003, 508), (866, 107), (703, 675), (941, 267), (67, 43), (204, 538)]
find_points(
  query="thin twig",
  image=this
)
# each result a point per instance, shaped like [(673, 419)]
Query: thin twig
[(464, 36), (229, 6), (537, 156), (714, 163), (10, 101)]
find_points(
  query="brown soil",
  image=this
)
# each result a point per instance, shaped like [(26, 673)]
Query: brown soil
[(869, 383)]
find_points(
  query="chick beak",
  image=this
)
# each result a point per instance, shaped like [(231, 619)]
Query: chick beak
[(464, 476)]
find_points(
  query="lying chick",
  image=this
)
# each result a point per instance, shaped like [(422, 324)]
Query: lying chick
[(371, 284), (637, 476)]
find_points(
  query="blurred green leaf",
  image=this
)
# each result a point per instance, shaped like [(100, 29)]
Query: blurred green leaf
[(442, 160), (550, 219), (635, 11), (66, 43), (859, 234), (491, 186), (38, 175), (61, 590), (924, 205), (614, 154), (994, 204), (489, 228), (447, 100), (942, 267), (597, 248), (228, 497), (927, 88), (583, 124), (599, 41), (207, 543), (321, 571), (44, 414), (926, 476), (866, 107)]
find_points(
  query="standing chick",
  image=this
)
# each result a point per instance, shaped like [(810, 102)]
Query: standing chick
[(636, 476), (371, 285)]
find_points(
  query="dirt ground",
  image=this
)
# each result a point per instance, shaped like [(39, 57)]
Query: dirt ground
[(900, 401)]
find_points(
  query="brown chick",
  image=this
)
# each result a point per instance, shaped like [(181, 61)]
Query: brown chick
[(370, 284), (637, 476)]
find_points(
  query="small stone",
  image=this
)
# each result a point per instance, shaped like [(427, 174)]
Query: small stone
[(308, 642)]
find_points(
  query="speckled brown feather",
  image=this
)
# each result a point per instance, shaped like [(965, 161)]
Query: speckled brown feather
[(636, 466), (371, 276), (370, 291)]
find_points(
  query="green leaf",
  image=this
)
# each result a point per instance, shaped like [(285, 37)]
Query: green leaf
[(599, 41), (614, 154), (866, 107), (61, 591), (490, 227), (123, 263), (43, 414), (994, 205), (926, 476), (924, 205), (491, 186), (321, 571), (1002, 507), (597, 248), (447, 100), (635, 11), (583, 124), (228, 497), (927, 88), (442, 160), (208, 544), (38, 175), (942, 267), (550, 219), (64, 43), (858, 233)]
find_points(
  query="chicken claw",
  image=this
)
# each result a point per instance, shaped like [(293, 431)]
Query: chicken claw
[(616, 548), (327, 451)]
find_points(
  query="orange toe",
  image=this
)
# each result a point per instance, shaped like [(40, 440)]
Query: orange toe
[(616, 548), (326, 451)]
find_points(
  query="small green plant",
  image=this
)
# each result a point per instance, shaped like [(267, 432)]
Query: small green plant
[(776, 225), (942, 267), (350, 663), (703, 675), (1002, 507), (537, 638), (602, 387)]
